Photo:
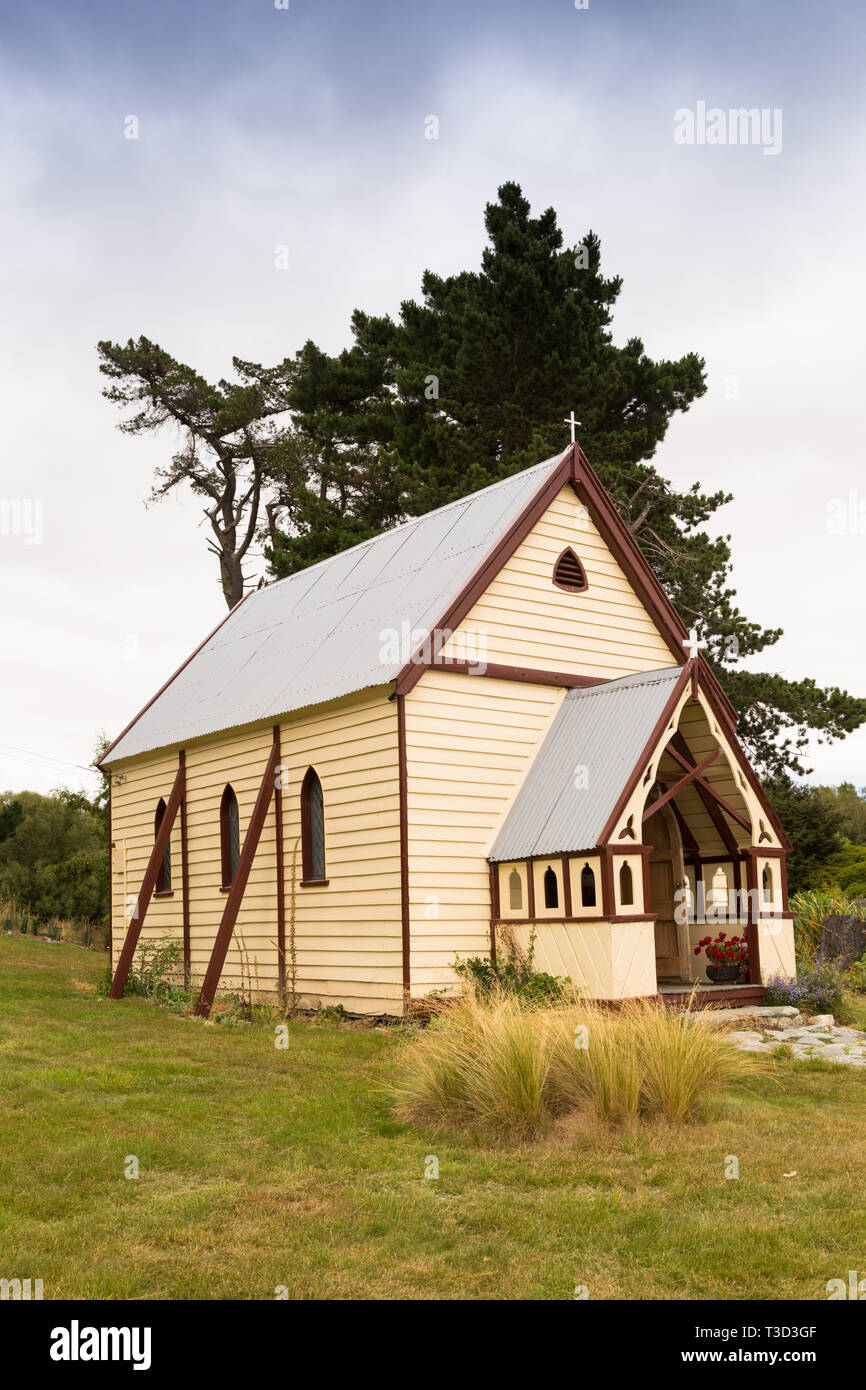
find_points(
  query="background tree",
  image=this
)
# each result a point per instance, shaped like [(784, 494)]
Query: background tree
[(813, 827), (851, 805), (11, 815), (232, 444), (56, 858)]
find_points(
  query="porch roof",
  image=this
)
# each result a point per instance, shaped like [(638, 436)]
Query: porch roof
[(602, 728)]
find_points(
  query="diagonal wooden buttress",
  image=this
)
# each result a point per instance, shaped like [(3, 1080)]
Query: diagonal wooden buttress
[(142, 902), (239, 883)]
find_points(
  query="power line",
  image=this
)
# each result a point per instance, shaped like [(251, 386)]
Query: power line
[(11, 750)]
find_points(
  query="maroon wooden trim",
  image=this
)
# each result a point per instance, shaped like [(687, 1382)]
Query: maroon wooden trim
[(722, 828), (314, 883), (634, 917), (566, 885), (214, 970), (694, 678), (783, 872), (492, 564), (608, 898), (753, 918), (163, 893), (592, 852), (494, 907), (714, 694), (645, 883), (405, 913), (629, 555), (309, 879), (683, 782), (496, 671), (710, 998), (580, 588), (184, 873), (643, 578), (164, 687), (648, 751), (530, 888), (148, 884), (708, 787), (594, 916), (281, 870)]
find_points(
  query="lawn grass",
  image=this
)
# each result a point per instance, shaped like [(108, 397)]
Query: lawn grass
[(261, 1167)]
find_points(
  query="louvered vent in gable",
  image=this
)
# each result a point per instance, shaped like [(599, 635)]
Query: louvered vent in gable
[(568, 572)]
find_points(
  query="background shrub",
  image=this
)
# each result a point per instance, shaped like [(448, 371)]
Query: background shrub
[(512, 972)]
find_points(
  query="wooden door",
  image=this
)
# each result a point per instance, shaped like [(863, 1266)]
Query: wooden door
[(665, 874)]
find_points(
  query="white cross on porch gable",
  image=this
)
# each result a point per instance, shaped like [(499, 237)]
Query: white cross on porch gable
[(573, 422), (693, 646)]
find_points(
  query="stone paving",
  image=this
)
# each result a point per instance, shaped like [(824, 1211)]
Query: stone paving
[(816, 1036)]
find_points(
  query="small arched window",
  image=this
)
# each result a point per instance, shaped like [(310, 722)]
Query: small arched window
[(230, 836), (568, 572), (313, 828), (626, 886), (515, 891), (551, 888), (163, 878), (587, 887), (767, 884)]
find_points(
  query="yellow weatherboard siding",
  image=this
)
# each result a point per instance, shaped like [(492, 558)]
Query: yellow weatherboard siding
[(526, 620), (348, 934), (470, 741)]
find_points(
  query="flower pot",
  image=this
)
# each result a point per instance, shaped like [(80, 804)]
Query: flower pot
[(724, 974)]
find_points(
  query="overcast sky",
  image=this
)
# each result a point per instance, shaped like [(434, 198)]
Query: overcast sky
[(305, 127)]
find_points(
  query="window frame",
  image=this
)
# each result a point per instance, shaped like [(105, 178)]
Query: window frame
[(548, 878), (310, 879), (162, 887), (515, 889), (228, 870), (768, 886)]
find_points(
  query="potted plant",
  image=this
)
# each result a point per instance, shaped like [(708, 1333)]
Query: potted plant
[(727, 957)]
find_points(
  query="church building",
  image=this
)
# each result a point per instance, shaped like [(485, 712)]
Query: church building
[(486, 722)]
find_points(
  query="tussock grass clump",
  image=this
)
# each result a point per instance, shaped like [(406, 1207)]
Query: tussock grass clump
[(595, 1066), (510, 1071), (681, 1061), (484, 1063)]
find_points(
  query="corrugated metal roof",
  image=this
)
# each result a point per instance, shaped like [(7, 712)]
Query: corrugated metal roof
[(601, 729), (319, 633)]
